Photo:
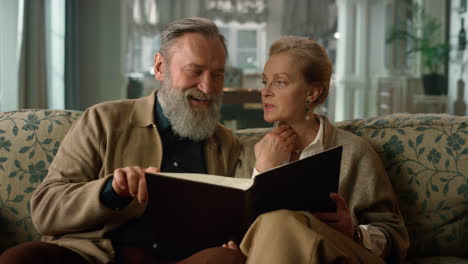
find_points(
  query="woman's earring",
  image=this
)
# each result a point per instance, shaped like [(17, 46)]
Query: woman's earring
[(307, 117)]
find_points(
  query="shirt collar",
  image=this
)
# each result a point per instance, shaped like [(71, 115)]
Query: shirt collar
[(317, 144), (159, 117)]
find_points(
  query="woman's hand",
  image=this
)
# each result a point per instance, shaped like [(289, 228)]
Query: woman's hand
[(275, 148), (341, 220)]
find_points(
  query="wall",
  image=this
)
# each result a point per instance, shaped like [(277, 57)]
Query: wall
[(101, 51)]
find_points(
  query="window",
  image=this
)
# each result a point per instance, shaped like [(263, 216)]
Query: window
[(141, 55), (246, 45)]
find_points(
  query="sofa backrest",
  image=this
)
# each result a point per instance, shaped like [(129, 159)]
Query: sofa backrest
[(426, 158), (29, 140)]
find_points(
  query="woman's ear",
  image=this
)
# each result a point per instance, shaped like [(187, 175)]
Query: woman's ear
[(158, 66), (314, 92)]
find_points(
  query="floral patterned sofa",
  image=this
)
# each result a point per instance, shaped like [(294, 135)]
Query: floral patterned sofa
[(426, 157)]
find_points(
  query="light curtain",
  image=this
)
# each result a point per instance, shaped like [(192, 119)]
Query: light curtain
[(33, 66)]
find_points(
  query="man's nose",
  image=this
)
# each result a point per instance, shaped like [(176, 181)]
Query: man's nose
[(208, 84)]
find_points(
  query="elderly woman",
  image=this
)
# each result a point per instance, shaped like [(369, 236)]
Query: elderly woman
[(367, 226)]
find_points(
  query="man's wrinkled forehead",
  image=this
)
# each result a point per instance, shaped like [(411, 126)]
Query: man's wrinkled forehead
[(178, 43)]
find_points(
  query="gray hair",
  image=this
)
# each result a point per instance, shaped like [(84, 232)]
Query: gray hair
[(177, 28)]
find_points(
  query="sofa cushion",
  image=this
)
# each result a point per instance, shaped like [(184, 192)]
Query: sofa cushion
[(426, 157), (29, 140)]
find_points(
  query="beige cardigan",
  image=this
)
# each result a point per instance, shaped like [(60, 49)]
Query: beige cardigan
[(66, 207), (365, 186)]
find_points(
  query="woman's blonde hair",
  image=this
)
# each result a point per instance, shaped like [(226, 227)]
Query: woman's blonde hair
[(316, 65)]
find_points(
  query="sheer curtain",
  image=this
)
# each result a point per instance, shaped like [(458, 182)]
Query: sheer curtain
[(10, 26), (33, 74)]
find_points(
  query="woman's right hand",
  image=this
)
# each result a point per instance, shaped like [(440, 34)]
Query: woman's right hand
[(275, 148)]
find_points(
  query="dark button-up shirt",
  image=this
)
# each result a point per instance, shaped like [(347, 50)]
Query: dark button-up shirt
[(179, 155)]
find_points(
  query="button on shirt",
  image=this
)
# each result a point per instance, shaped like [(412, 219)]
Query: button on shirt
[(179, 155)]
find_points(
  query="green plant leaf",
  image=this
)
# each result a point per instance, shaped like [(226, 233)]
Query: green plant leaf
[(15, 130), (24, 149), (29, 190), (421, 151), (31, 154), (12, 209), (375, 133), (438, 138), (3, 159), (30, 137), (12, 174), (18, 198), (435, 188), (449, 151), (410, 143), (47, 141), (463, 189), (57, 122), (17, 164), (419, 139), (447, 164), (446, 189), (8, 189), (401, 131), (465, 151), (421, 128), (49, 128)]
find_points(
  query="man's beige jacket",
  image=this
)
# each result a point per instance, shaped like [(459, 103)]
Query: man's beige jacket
[(66, 207)]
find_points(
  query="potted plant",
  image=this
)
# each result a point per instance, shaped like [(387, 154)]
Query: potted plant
[(422, 32)]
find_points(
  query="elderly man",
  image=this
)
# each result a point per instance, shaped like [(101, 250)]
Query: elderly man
[(91, 207)]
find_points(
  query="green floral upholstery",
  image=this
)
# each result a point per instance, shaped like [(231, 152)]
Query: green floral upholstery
[(29, 139), (426, 157)]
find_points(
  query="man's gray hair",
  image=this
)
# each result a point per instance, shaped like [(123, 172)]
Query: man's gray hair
[(177, 28)]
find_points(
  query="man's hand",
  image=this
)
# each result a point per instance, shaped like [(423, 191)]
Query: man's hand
[(131, 182), (275, 148), (341, 219)]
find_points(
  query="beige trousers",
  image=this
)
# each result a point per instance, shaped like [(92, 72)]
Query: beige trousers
[(293, 237)]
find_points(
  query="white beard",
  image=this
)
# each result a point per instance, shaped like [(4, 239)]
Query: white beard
[(187, 122)]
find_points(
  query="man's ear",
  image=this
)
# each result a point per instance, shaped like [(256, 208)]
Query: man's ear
[(314, 92), (158, 66)]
